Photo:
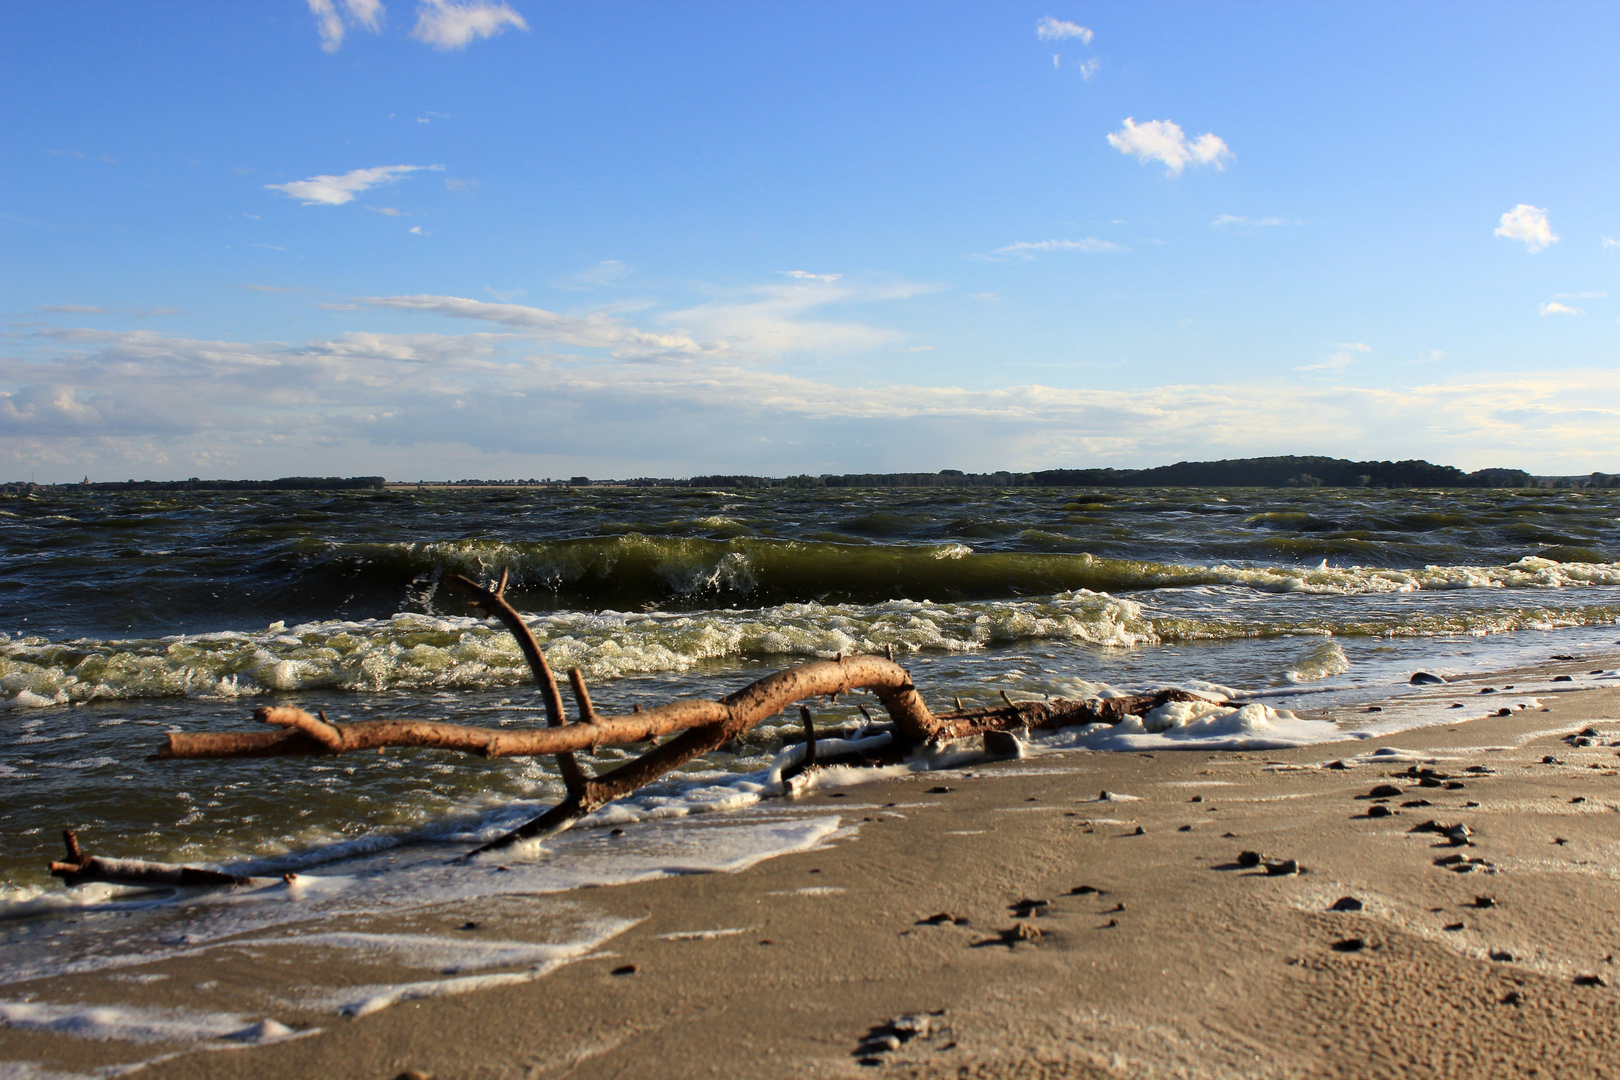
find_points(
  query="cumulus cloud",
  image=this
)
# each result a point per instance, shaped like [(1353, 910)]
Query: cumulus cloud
[(1528, 225), (1610, 244), (452, 24), (331, 23), (1553, 307), (1163, 140), (1050, 29), (337, 190), (1027, 249)]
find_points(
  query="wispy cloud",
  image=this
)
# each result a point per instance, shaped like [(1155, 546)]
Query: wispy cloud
[(87, 309), (1230, 221), (784, 318), (331, 22), (1163, 140), (452, 24), (1342, 357), (1553, 307), (1610, 244), (594, 331), (426, 404), (1050, 29), (1027, 249), (337, 190), (1528, 225), (1600, 295), (417, 230)]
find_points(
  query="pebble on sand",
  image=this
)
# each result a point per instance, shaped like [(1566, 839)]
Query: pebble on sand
[(1346, 903), (1384, 791), (1354, 944)]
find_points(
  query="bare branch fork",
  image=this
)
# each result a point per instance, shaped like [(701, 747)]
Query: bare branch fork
[(699, 726)]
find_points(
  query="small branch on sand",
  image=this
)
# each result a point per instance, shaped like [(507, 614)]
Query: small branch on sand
[(80, 868)]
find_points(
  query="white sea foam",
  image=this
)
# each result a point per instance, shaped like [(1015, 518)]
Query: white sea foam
[(128, 1023)]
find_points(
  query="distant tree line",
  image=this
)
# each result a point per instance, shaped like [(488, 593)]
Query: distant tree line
[(285, 483)]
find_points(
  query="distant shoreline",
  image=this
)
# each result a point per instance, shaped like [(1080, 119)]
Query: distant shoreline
[(1268, 472)]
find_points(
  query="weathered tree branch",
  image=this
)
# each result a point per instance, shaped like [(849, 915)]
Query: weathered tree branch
[(699, 726), (80, 868)]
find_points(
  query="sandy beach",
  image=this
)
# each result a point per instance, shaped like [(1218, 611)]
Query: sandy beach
[(1071, 914)]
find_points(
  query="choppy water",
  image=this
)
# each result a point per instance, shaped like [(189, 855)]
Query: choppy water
[(126, 615)]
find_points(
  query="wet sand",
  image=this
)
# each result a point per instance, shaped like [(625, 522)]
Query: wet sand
[(1018, 924)]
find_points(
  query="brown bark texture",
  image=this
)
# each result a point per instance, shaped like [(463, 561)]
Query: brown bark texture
[(699, 726)]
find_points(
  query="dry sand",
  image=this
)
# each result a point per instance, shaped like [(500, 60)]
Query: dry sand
[(1181, 963)]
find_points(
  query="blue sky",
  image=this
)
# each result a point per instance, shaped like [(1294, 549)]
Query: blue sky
[(459, 238)]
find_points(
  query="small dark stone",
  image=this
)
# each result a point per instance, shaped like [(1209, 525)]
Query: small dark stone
[(941, 790), (1560, 841), (1470, 802), (1140, 831), (1379, 812), (1428, 781), (1196, 798), (1354, 944), (1550, 760), (1484, 901), (1453, 926), (1185, 828), (1501, 956), (1504, 712), (1455, 785), (469, 926), (1384, 791), (1375, 708), (1336, 765), (414, 1074), (1346, 903), (1590, 980), (1084, 890), (1416, 802), (1285, 868), (1455, 705), (616, 832), (1578, 799), (1248, 859), (1026, 906), (627, 969), (838, 795), (1000, 743), (1424, 678), (1450, 860), (1512, 997), (1563, 678), (936, 920), (1487, 690)]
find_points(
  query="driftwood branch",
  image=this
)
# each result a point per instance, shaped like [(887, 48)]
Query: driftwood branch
[(699, 726), (80, 868)]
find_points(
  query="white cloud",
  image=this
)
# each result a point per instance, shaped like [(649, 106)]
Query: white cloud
[(337, 190), (1342, 358), (1050, 29), (1237, 221), (1163, 140), (330, 23), (1026, 249), (1528, 224), (452, 24), (416, 230), (387, 211), (1089, 69), (131, 403), (1611, 244), (775, 320), (1553, 307), (594, 331)]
